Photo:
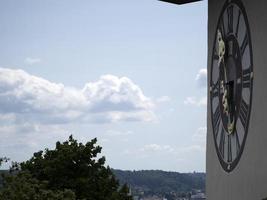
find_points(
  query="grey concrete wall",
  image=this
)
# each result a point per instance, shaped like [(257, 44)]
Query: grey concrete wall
[(248, 181)]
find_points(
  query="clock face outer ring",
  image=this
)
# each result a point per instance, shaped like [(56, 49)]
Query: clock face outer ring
[(228, 167)]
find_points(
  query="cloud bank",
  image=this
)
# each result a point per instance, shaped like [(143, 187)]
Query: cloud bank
[(201, 78), (109, 99)]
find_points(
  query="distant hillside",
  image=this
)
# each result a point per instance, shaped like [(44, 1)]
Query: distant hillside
[(156, 182), (161, 182)]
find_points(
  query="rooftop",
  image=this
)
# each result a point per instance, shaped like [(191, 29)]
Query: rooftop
[(180, 1)]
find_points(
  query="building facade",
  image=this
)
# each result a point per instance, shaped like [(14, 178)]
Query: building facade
[(236, 162)]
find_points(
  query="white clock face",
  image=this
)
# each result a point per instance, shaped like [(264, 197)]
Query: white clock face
[(231, 82)]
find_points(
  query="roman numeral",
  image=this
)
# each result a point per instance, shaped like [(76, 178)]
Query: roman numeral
[(221, 145), (244, 44), (229, 152), (237, 25), (230, 13), (216, 120), (215, 89), (231, 48), (246, 78), (243, 112), (221, 27), (237, 143)]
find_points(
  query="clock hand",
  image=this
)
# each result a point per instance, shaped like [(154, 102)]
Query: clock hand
[(221, 62), (221, 45), (225, 98)]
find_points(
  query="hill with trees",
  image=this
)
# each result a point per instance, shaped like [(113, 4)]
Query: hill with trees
[(161, 183), (76, 171)]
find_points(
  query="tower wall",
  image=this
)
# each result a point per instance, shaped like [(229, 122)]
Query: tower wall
[(248, 181)]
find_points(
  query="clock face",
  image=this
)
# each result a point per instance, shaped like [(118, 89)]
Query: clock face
[(230, 84)]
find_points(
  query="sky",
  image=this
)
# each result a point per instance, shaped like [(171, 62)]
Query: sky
[(130, 73)]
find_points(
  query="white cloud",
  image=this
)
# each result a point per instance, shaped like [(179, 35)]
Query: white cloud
[(195, 101), (200, 134), (109, 99), (19, 141), (32, 61), (198, 141), (164, 99), (201, 78)]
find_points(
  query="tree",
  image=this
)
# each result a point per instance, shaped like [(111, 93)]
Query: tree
[(3, 159), (76, 167), (124, 193), (22, 186)]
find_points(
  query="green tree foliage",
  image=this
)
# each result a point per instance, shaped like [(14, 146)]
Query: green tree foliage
[(76, 167), (23, 187), (124, 193), (3, 159)]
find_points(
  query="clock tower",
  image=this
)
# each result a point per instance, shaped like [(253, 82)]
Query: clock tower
[(236, 161), (236, 158)]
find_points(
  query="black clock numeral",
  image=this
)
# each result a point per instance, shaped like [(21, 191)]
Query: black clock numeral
[(237, 143), (230, 12), (222, 28), (221, 145), (237, 25), (215, 93), (215, 90), (243, 113), (216, 120), (231, 48), (246, 77), (229, 152), (244, 44)]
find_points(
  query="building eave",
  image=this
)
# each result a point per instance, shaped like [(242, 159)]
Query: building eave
[(179, 2)]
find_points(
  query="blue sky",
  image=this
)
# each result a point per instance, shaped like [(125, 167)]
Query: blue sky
[(131, 73)]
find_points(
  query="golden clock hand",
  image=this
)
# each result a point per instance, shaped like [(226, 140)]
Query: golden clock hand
[(221, 46)]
